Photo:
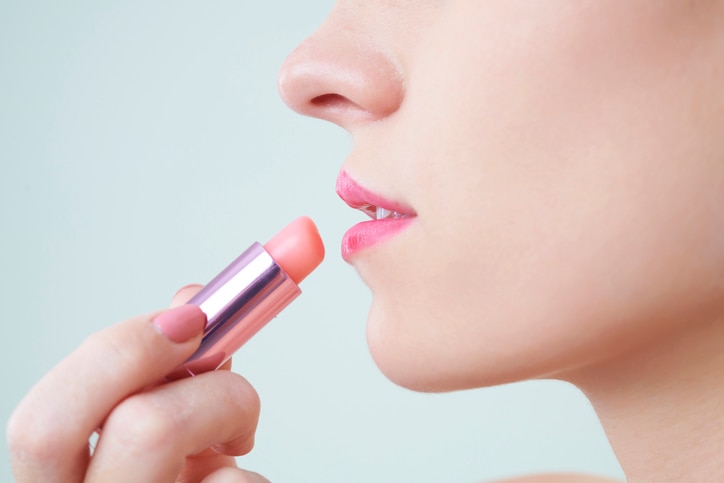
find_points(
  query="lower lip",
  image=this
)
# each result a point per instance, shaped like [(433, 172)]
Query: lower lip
[(370, 233)]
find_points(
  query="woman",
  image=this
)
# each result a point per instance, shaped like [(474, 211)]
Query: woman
[(552, 173)]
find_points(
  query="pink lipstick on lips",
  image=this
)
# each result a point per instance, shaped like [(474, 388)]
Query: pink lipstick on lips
[(388, 217)]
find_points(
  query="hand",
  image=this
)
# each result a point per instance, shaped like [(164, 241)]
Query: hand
[(186, 430)]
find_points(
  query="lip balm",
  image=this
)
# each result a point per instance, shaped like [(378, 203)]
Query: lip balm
[(250, 292)]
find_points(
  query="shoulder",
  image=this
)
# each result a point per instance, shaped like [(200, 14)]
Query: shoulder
[(559, 478)]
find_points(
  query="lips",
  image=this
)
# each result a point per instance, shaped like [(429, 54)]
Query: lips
[(388, 217)]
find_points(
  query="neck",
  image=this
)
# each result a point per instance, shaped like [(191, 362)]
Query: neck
[(663, 408)]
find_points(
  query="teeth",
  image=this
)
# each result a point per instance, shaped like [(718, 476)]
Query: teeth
[(383, 213), (377, 213)]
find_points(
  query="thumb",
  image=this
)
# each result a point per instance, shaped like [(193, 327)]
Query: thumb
[(184, 294)]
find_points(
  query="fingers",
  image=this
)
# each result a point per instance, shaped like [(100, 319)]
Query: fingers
[(235, 475), (48, 433), (149, 435), (182, 296)]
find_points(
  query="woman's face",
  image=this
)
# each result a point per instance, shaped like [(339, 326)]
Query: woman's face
[(565, 163)]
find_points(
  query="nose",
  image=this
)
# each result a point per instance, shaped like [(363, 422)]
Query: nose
[(339, 76)]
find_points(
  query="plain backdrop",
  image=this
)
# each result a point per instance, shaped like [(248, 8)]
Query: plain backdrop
[(143, 145)]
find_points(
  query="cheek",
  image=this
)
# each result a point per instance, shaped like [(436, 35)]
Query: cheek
[(572, 214), (537, 294)]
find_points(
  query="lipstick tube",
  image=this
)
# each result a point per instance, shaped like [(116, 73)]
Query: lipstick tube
[(250, 292)]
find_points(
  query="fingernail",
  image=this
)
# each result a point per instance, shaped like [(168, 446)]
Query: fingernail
[(180, 323)]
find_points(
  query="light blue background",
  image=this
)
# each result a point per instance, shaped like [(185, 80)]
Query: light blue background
[(142, 147)]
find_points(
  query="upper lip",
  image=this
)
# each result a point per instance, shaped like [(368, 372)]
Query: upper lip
[(366, 201)]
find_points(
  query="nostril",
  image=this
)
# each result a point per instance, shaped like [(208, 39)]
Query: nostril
[(334, 101), (338, 108)]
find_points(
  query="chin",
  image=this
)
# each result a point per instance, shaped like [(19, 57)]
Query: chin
[(406, 374), (394, 351), (427, 360)]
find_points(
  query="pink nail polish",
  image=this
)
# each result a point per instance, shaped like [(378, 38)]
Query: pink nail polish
[(181, 323)]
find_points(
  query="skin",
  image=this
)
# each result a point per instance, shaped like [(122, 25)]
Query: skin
[(150, 432), (564, 160), (544, 159)]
